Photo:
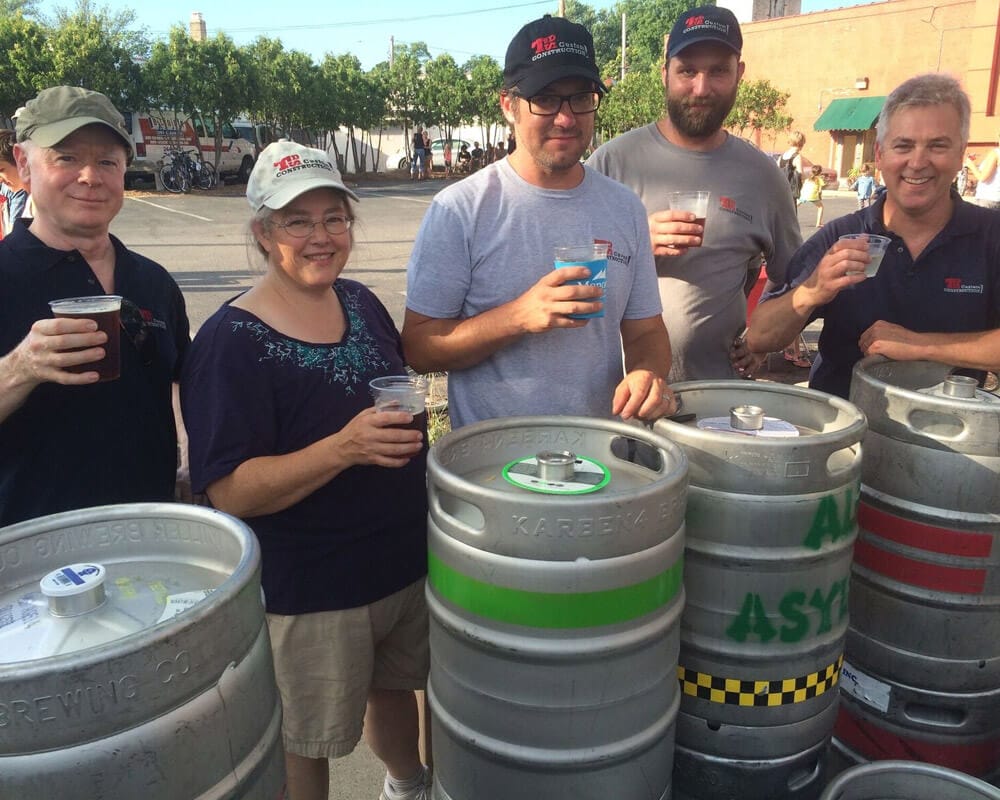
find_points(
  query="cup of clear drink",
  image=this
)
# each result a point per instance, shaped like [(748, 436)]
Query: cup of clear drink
[(877, 245)]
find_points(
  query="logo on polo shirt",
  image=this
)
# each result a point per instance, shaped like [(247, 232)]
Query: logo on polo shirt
[(955, 286), (728, 204), (614, 255)]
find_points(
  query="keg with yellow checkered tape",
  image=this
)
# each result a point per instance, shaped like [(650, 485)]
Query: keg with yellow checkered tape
[(774, 476)]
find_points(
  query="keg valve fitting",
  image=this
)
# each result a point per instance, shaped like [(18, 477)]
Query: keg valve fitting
[(555, 466), (746, 418)]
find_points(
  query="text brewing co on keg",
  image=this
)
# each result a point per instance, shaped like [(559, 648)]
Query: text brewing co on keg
[(554, 587), (132, 642)]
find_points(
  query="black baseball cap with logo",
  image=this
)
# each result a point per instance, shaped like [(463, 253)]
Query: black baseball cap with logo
[(547, 50), (705, 24)]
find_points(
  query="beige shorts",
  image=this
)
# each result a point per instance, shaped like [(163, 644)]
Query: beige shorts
[(325, 664)]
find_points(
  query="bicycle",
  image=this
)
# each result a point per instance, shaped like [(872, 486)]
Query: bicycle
[(184, 172)]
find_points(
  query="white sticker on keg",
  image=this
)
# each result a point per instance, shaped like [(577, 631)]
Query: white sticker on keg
[(865, 688), (773, 427), (178, 603)]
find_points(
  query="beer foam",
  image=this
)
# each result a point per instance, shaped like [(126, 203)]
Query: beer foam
[(86, 305)]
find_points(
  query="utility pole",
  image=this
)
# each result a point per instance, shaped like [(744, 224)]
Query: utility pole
[(392, 50), (623, 46), (562, 8)]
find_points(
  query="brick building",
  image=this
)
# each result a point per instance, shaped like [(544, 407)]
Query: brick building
[(840, 64)]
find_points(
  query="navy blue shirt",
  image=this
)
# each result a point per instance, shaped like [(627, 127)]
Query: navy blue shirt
[(952, 287), (250, 391), (72, 447)]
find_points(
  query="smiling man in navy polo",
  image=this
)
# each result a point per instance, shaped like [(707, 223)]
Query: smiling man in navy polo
[(936, 296)]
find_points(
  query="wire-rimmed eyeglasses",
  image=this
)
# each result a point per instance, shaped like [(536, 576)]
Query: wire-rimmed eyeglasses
[(301, 228)]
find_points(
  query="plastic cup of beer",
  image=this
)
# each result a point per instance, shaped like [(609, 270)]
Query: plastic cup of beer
[(105, 310), (877, 245), (402, 393), (593, 256), (693, 202)]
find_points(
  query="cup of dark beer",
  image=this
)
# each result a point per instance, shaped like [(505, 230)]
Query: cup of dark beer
[(693, 202), (105, 310), (402, 393)]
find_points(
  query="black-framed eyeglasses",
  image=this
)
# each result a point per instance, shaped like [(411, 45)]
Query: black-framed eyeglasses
[(301, 228), (133, 325), (548, 105)]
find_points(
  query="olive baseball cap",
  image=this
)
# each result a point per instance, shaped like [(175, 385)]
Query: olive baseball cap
[(60, 110), (284, 170)]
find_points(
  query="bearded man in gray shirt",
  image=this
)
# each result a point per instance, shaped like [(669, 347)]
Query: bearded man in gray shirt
[(702, 270)]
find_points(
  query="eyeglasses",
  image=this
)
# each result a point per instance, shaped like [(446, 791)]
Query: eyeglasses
[(133, 324), (548, 105), (301, 228)]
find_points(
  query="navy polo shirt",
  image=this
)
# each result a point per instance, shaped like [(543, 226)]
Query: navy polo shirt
[(72, 447), (952, 287)]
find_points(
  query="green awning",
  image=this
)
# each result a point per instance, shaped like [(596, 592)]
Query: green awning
[(850, 114)]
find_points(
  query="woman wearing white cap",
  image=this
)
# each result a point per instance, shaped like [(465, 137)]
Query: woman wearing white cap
[(283, 434)]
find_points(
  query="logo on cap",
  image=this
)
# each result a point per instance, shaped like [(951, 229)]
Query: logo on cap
[(287, 162)]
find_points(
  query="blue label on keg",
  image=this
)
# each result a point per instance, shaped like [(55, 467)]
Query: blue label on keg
[(71, 575)]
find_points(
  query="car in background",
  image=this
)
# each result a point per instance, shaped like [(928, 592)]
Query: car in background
[(400, 160)]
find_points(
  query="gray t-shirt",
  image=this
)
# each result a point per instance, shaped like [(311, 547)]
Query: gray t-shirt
[(751, 215), (489, 238)]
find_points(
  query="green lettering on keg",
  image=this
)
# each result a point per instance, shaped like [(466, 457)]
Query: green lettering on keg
[(753, 616), (551, 609), (829, 522)]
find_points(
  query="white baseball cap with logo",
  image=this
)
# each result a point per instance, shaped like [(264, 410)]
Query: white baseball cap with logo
[(284, 170)]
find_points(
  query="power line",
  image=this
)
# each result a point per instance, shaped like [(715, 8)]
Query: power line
[(384, 21)]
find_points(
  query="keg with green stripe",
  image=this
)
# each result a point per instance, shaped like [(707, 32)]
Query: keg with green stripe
[(771, 520), (555, 592)]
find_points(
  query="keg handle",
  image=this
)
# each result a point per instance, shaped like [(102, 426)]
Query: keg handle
[(459, 525)]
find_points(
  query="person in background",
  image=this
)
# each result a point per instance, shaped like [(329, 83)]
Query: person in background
[(417, 171), (511, 142), (68, 441), (447, 158), (12, 188), (790, 162), (484, 301), (702, 271), (477, 156), (865, 187), (499, 151), (936, 295), (283, 434), (428, 156), (987, 179), (812, 192)]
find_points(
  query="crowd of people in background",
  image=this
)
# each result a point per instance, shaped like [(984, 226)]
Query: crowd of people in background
[(279, 427)]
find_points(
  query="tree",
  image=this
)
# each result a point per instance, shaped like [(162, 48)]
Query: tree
[(401, 77), (444, 89), (647, 23), (9, 8), (23, 57), (759, 107), (635, 101), (93, 48), (348, 97), (482, 101)]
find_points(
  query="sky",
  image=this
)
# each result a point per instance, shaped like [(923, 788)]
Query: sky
[(317, 27)]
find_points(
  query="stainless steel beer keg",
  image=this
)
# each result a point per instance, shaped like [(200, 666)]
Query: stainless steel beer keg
[(923, 650), (774, 474), (907, 780), (554, 586), (134, 659)]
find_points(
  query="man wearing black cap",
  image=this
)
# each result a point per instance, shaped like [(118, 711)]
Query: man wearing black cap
[(483, 299), (702, 269), (66, 440)]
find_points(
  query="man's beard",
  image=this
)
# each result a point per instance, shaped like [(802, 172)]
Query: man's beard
[(702, 121)]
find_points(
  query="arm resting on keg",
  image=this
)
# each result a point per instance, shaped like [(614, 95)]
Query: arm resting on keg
[(268, 484), (437, 345), (41, 358), (644, 392), (979, 350)]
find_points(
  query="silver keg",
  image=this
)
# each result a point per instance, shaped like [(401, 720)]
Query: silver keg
[(774, 480), (134, 659), (555, 591), (923, 650), (907, 780)]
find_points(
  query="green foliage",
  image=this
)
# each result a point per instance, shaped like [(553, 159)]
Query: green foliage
[(483, 96), (759, 107), (443, 92), (24, 55), (633, 102), (28, 8)]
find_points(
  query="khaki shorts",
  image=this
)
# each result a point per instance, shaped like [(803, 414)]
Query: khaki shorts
[(325, 663)]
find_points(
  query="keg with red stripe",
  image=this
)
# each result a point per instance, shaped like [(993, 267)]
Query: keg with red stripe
[(921, 678)]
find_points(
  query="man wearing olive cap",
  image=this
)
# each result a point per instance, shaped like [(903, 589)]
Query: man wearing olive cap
[(67, 441)]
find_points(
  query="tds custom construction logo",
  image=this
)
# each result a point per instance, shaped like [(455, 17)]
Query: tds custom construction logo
[(728, 204), (294, 162), (287, 163), (955, 286), (547, 45)]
